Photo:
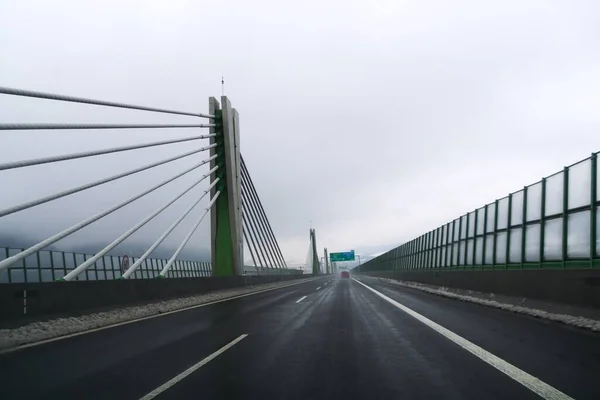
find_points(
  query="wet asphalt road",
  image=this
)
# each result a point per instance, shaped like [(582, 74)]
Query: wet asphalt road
[(341, 341)]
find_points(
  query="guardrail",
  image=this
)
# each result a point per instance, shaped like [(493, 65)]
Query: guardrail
[(552, 223)]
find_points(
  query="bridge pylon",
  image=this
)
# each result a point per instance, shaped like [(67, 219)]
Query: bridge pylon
[(227, 255)]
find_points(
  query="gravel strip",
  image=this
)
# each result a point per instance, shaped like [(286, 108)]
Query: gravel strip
[(43, 330), (479, 298)]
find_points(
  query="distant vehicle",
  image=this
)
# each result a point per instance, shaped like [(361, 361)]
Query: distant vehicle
[(345, 274)]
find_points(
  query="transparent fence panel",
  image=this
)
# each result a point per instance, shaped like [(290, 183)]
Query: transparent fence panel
[(17, 275), (501, 248), (471, 231), (516, 235), (44, 259), (489, 249), (69, 261), (116, 264), (463, 227), (144, 269), (490, 217), (18, 264), (456, 230), (554, 194), (91, 271), (553, 239), (443, 260), (532, 243), (580, 178), (578, 237), (4, 273), (479, 251), (516, 209), (480, 221), (47, 275), (57, 260), (502, 213), (470, 252), (58, 273), (32, 275), (461, 253), (534, 202), (31, 261), (455, 254)]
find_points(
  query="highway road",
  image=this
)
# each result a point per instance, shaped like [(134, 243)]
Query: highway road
[(329, 338)]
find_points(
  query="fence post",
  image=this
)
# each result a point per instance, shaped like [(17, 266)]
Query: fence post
[(593, 207), (226, 228)]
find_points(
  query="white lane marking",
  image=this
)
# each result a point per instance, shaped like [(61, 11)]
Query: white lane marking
[(529, 381), (326, 283), (191, 369), (301, 298), (70, 335), (319, 288)]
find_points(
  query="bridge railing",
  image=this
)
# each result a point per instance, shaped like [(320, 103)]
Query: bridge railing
[(50, 265), (553, 223)]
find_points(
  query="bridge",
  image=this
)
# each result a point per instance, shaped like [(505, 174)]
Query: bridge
[(240, 323)]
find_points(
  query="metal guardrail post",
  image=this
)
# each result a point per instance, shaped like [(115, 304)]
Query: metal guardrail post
[(565, 208), (543, 223), (508, 232), (524, 226)]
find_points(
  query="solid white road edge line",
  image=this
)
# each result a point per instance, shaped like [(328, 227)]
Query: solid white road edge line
[(529, 381), (131, 321), (301, 298), (319, 288), (191, 369)]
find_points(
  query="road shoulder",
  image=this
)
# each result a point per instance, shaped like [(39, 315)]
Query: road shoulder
[(579, 317)]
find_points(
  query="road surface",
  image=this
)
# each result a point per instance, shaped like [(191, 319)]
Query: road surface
[(330, 338)]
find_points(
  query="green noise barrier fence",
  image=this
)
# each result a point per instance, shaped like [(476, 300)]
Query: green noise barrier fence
[(552, 223)]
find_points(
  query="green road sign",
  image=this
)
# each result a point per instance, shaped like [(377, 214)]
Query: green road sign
[(343, 256)]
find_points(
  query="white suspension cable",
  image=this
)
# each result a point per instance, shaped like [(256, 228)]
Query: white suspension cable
[(187, 238), (67, 192), (44, 243), (60, 97), (89, 262), (135, 265), (46, 160)]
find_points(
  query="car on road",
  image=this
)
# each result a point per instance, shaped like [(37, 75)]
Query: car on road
[(345, 274)]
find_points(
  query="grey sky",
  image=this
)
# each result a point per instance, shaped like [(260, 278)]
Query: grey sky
[(376, 120)]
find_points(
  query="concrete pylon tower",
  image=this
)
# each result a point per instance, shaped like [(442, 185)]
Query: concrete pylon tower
[(315, 255)]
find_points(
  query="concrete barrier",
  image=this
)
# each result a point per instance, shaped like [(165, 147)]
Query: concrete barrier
[(68, 298), (569, 286)]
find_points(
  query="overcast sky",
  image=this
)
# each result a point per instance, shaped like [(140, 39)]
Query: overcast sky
[(375, 120)]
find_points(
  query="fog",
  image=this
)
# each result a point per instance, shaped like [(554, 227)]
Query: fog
[(377, 121)]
